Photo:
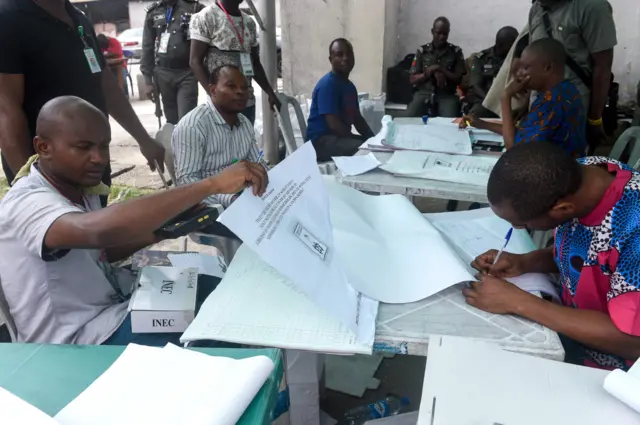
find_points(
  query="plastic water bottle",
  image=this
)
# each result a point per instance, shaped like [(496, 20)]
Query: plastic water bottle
[(390, 406)]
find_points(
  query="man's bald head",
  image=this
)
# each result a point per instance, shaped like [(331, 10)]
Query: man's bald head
[(72, 139), (66, 113)]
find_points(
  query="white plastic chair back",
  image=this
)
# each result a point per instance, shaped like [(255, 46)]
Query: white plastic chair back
[(164, 137), (5, 316), (631, 135), (290, 141), (284, 122)]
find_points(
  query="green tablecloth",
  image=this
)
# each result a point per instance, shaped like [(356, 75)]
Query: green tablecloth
[(51, 376)]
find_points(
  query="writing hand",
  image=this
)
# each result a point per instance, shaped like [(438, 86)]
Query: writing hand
[(508, 265), (495, 295)]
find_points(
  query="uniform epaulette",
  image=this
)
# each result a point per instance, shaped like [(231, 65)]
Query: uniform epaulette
[(153, 6), (455, 48)]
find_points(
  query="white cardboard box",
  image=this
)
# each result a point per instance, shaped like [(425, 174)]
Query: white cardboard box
[(164, 301)]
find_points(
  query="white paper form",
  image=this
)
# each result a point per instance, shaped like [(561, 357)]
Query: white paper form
[(255, 304), (16, 411), (357, 164), (472, 383), (625, 386), (290, 229), (469, 169), (170, 385), (472, 233), (389, 251), (433, 138)]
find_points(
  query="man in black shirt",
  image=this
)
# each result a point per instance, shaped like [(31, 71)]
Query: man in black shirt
[(49, 49)]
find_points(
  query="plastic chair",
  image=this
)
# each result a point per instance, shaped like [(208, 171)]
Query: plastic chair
[(5, 316), (631, 139), (128, 54), (290, 141)]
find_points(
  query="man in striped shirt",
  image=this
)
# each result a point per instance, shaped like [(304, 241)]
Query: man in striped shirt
[(215, 134)]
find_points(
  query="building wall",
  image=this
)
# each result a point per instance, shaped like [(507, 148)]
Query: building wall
[(309, 26)]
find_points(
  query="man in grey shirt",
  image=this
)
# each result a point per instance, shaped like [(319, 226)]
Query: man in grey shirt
[(588, 33), (215, 134), (58, 243)]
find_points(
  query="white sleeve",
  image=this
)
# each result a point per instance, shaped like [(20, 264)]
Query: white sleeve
[(200, 27), (29, 213)]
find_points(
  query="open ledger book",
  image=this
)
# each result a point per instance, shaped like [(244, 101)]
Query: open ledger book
[(317, 256)]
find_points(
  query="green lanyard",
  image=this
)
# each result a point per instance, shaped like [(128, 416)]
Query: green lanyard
[(81, 34)]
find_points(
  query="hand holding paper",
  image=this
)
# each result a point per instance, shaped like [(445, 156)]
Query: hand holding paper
[(495, 295), (240, 175)]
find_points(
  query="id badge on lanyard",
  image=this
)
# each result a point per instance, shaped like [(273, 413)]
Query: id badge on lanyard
[(246, 64), (89, 53), (163, 45)]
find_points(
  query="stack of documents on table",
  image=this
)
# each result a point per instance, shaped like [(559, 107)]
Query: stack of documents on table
[(471, 233), (467, 169), (468, 382), (375, 143), (430, 137), (159, 386)]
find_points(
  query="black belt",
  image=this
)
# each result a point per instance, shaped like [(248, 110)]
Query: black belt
[(172, 63)]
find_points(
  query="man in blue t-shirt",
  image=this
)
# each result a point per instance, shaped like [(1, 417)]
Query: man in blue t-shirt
[(335, 108)]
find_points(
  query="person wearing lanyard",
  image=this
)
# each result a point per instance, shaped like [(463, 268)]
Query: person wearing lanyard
[(221, 34), (58, 243), (593, 204), (165, 56), (61, 58)]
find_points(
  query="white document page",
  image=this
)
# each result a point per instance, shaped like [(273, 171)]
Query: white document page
[(256, 305), (290, 229), (16, 411), (472, 383), (388, 250), (433, 138), (625, 386), (472, 233), (469, 169), (211, 265), (168, 386), (357, 164)]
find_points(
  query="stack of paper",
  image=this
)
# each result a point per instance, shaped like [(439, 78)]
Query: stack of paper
[(432, 138), (168, 386), (469, 383), (467, 169), (375, 143)]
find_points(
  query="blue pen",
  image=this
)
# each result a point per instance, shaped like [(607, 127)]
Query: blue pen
[(260, 157), (506, 242)]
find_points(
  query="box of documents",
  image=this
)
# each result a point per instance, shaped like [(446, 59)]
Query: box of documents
[(165, 300)]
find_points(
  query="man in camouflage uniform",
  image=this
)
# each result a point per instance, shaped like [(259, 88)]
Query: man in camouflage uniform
[(437, 70), (165, 56), (485, 68)]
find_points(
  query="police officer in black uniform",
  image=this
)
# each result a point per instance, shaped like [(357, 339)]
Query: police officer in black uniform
[(436, 71), (485, 68), (165, 56)]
